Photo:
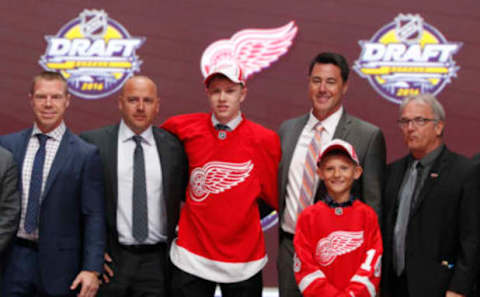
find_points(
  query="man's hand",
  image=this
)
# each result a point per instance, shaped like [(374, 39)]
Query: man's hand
[(453, 294), (88, 280), (108, 272)]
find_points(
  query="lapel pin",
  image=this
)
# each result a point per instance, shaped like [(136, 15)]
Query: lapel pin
[(433, 175), (338, 211)]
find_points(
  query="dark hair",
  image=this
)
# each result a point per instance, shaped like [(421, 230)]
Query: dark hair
[(331, 58), (48, 75)]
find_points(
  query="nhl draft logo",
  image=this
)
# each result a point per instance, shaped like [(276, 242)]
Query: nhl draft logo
[(407, 57), (216, 177), (337, 243), (94, 53)]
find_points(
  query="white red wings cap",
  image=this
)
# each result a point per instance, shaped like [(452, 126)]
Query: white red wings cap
[(338, 144), (230, 69)]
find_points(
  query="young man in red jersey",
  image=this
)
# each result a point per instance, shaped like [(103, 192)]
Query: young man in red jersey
[(233, 162), (337, 241)]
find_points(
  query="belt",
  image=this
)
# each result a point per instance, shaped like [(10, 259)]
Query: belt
[(26, 243), (144, 248), (286, 235)]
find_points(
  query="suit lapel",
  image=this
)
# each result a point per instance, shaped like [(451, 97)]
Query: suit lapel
[(291, 141), (163, 151), (439, 167), (343, 127), (111, 149), (397, 177), (61, 157), (21, 154), (288, 147)]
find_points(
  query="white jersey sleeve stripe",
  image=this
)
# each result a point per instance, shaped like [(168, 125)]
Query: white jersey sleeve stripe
[(367, 283), (309, 278)]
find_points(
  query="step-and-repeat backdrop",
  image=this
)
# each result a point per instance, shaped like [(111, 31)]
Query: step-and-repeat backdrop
[(395, 49)]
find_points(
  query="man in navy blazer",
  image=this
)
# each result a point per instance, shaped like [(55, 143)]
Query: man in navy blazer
[(59, 245)]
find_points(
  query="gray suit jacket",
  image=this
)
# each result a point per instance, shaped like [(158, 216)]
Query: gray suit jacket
[(9, 198), (368, 142)]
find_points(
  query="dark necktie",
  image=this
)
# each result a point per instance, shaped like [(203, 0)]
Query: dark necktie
[(407, 198), (139, 203), (222, 127), (31, 218), (418, 187)]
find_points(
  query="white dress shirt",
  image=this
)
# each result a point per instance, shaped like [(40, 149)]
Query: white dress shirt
[(297, 164), (51, 148), (231, 124), (157, 216)]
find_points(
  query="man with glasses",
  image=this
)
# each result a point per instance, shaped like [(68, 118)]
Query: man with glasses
[(431, 225)]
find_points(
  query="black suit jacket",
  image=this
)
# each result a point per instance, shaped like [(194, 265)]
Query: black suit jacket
[(476, 158), (174, 177), (444, 226)]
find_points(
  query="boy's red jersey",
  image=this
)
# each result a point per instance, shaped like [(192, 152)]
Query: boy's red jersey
[(338, 251)]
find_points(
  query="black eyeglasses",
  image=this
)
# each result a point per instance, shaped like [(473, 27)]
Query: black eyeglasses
[(417, 122)]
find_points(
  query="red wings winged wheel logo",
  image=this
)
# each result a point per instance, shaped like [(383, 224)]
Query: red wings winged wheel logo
[(252, 49), (216, 177)]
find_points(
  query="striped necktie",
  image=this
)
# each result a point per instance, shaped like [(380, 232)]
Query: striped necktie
[(308, 178), (309, 171)]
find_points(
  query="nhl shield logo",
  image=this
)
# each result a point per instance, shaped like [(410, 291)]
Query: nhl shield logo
[(409, 28), (93, 23)]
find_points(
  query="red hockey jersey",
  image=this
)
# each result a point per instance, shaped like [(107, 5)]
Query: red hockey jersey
[(220, 237), (338, 251)]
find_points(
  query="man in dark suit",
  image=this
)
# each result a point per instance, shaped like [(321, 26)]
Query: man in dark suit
[(9, 199), (476, 159), (9, 202), (139, 263), (431, 226), (301, 140), (60, 241)]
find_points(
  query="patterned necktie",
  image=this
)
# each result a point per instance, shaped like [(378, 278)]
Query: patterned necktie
[(35, 191), (308, 180), (139, 199), (407, 197)]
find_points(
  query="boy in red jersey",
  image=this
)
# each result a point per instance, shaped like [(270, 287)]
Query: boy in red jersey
[(337, 241), (232, 162)]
